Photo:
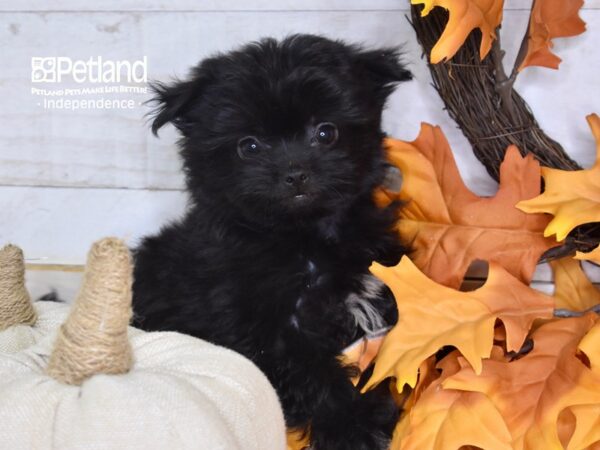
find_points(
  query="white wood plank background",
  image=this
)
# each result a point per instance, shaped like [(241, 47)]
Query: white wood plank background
[(67, 179), (230, 5)]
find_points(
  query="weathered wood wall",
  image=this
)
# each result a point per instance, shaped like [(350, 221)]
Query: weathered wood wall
[(68, 178)]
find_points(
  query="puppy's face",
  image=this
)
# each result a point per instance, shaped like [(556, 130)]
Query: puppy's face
[(283, 130)]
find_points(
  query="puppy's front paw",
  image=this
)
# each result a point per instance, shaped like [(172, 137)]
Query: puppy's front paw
[(367, 425), (344, 442)]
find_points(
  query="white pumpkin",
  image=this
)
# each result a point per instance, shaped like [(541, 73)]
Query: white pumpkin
[(97, 384), (21, 322)]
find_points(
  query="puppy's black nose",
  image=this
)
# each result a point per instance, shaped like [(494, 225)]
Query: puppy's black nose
[(296, 178)]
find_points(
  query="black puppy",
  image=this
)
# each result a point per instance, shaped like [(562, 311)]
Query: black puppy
[(282, 150)]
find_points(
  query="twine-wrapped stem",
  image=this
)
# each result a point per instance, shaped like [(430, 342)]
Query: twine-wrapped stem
[(93, 339), (15, 303)]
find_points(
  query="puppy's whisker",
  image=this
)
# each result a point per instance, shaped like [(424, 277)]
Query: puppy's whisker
[(339, 194)]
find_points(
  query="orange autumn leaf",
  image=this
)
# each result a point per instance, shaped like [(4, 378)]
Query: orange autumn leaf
[(531, 392), (445, 419), (465, 16), (450, 420), (449, 227), (297, 440), (550, 19), (587, 433), (587, 417), (427, 375), (590, 345), (407, 398), (593, 256), (400, 431), (565, 426), (572, 197), (361, 354), (573, 290), (432, 316)]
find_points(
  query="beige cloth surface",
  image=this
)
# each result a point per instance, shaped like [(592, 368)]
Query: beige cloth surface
[(182, 393), (18, 337)]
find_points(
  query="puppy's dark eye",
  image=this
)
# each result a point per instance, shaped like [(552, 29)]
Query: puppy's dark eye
[(326, 133), (248, 146)]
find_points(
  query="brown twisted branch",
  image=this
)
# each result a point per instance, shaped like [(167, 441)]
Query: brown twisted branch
[(480, 97)]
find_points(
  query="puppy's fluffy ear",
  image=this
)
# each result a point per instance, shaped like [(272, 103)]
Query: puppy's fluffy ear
[(175, 100), (383, 68)]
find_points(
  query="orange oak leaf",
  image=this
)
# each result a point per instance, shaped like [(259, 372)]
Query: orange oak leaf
[(446, 419), (590, 345), (362, 353), (449, 227), (432, 316), (573, 290), (407, 399), (565, 426), (550, 19), (587, 432), (531, 392), (465, 16), (593, 256), (587, 417), (297, 440), (427, 375), (572, 197), (400, 431)]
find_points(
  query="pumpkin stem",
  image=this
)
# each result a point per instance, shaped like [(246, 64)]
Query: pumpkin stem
[(15, 303), (93, 339)]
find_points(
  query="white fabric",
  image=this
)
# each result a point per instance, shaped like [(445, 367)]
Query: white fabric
[(18, 337), (182, 393)]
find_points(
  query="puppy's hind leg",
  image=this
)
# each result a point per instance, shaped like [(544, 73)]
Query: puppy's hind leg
[(348, 420), (318, 392)]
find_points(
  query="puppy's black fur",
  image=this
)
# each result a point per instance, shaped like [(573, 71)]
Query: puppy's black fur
[(282, 150)]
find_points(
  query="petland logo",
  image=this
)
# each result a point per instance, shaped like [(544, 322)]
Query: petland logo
[(55, 69)]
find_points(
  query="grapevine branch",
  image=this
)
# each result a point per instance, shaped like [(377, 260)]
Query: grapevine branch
[(569, 313), (480, 97)]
